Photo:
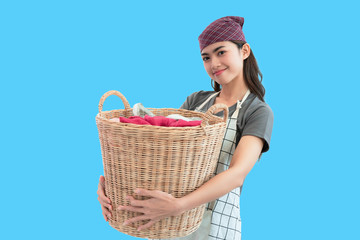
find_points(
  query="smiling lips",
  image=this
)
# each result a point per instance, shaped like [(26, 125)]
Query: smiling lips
[(217, 73)]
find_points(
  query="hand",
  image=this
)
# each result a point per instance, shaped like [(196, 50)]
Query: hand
[(159, 206), (104, 201)]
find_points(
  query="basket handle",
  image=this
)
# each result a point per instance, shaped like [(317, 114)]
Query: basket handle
[(117, 93), (214, 108)]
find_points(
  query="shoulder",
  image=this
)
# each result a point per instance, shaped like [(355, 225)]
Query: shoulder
[(196, 98), (257, 120), (258, 107), (200, 94)]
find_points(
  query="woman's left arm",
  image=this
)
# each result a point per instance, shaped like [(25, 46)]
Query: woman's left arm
[(162, 204)]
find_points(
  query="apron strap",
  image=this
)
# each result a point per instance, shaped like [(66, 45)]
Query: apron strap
[(208, 99), (239, 104)]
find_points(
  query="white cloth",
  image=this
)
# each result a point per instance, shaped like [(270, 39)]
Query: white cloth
[(221, 219), (140, 110), (178, 116)]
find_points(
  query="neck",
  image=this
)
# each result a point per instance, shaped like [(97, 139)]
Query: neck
[(233, 91)]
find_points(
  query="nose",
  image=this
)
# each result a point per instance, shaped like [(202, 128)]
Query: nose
[(215, 63)]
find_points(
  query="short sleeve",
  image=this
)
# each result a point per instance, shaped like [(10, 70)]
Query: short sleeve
[(260, 124), (188, 104)]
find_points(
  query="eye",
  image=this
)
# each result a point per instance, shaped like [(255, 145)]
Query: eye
[(205, 59), (221, 53)]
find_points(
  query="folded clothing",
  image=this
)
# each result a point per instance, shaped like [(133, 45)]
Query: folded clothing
[(159, 121), (178, 116), (140, 110)]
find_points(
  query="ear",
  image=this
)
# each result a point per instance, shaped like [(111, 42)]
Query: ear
[(245, 50)]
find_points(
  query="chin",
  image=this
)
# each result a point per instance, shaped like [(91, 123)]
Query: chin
[(222, 81)]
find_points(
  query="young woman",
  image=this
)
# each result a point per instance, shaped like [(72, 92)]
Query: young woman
[(236, 80)]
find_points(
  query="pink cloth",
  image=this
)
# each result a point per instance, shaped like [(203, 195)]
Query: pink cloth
[(134, 119), (159, 121)]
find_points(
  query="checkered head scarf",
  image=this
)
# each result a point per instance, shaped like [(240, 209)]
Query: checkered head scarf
[(222, 29)]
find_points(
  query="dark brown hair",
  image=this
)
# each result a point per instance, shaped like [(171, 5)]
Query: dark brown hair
[(252, 75)]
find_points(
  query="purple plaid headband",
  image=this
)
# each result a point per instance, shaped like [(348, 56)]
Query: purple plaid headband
[(222, 29)]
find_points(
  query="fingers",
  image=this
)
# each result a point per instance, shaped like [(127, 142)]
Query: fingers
[(150, 193), (139, 218), (105, 217), (104, 202), (102, 181), (130, 208), (103, 199), (135, 219), (101, 193), (106, 213), (147, 225), (134, 202)]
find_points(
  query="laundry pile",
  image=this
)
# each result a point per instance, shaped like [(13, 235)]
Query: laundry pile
[(159, 121), (143, 116)]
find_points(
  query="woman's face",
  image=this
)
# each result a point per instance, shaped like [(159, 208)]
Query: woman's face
[(223, 62)]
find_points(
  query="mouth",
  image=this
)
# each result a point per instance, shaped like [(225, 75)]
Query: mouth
[(217, 73)]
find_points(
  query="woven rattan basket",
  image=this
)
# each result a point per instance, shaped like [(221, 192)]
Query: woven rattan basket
[(176, 160)]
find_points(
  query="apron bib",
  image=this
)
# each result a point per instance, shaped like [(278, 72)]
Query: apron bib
[(221, 218)]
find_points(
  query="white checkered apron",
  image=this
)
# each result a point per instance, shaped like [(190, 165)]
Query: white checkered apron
[(221, 219)]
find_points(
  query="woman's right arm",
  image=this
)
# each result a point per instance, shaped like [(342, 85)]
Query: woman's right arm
[(104, 201)]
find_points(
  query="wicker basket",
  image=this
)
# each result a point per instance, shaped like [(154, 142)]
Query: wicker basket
[(176, 160)]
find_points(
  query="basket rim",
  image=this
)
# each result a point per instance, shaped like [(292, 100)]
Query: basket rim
[(102, 118)]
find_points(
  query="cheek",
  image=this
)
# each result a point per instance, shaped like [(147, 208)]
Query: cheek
[(236, 63), (207, 68)]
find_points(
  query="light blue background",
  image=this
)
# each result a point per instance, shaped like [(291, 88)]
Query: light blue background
[(57, 58)]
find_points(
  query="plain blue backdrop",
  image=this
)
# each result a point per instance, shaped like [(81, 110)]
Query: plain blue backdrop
[(57, 58)]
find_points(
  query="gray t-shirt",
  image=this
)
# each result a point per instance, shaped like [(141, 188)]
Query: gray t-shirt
[(255, 117)]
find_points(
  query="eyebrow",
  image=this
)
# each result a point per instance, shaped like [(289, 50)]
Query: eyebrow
[(213, 51)]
